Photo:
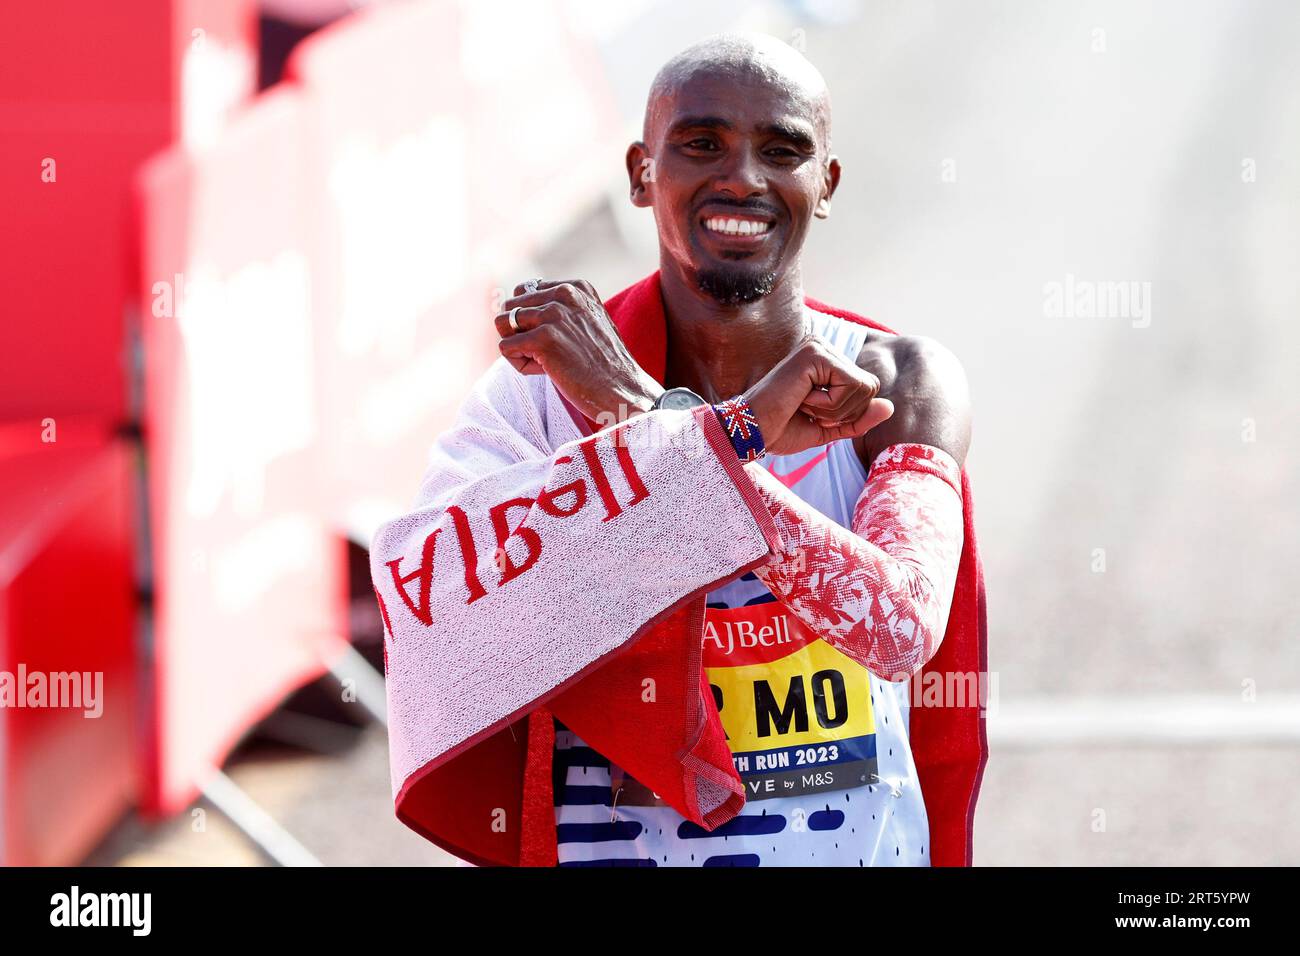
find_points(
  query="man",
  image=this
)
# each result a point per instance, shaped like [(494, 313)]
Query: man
[(853, 441)]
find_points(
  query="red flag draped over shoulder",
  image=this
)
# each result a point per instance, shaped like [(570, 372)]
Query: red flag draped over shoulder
[(490, 801)]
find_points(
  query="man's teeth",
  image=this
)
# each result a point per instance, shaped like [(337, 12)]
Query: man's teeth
[(737, 227)]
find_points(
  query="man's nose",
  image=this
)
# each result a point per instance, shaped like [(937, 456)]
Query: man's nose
[(741, 174)]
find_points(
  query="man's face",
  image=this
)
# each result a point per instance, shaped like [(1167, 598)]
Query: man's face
[(739, 170)]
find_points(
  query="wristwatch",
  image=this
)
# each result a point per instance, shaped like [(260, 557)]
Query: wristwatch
[(676, 399)]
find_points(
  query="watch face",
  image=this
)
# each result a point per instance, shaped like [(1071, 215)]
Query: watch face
[(680, 398)]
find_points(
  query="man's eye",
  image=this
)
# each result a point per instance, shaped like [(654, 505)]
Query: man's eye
[(782, 152), (700, 144)]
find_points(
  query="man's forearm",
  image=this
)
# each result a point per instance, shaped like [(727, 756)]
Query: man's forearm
[(880, 593)]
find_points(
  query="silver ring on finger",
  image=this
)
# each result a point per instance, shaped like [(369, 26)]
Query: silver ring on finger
[(514, 323), (532, 284)]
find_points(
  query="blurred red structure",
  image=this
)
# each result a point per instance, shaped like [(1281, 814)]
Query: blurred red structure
[(86, 94), (251, 582), (313, 270), (67, 606)]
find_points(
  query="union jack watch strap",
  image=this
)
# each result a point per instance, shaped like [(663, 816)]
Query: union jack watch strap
[(742, 428)]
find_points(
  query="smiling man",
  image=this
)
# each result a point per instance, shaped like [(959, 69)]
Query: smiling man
[(846, 442)]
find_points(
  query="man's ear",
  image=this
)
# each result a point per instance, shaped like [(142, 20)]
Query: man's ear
[(640, 173), (830, 181)]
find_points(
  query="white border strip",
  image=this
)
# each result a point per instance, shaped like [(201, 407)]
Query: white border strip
[(1118, 720)]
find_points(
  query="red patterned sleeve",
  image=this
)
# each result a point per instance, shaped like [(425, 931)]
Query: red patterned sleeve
[(880, 593)]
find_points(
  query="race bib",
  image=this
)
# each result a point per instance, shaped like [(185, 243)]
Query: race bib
[(797, 712)]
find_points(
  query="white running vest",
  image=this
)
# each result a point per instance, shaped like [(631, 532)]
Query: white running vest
[(819, 742)]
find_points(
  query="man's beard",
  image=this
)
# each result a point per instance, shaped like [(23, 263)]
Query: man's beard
[(736, 286)]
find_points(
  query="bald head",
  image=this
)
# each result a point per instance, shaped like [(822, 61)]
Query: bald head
[(741, 56)]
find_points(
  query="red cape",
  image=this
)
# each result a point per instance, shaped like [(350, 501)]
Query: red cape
[(492, 802)]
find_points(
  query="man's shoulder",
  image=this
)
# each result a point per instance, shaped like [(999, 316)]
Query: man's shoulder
[(914, 357), (927, 385)]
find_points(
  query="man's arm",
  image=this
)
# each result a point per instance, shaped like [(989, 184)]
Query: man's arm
[(928, 388), (882, 592)]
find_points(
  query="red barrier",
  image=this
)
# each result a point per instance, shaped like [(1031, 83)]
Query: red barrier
[(316, 289), (316, 299), (251, 586), (315, 302), (87, 91), (67, 613), (86, 94)]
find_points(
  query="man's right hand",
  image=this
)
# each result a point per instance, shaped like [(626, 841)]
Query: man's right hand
[(815, 396)]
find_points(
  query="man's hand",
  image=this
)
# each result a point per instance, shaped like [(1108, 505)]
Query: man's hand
[(815, 396), (566, 333)]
